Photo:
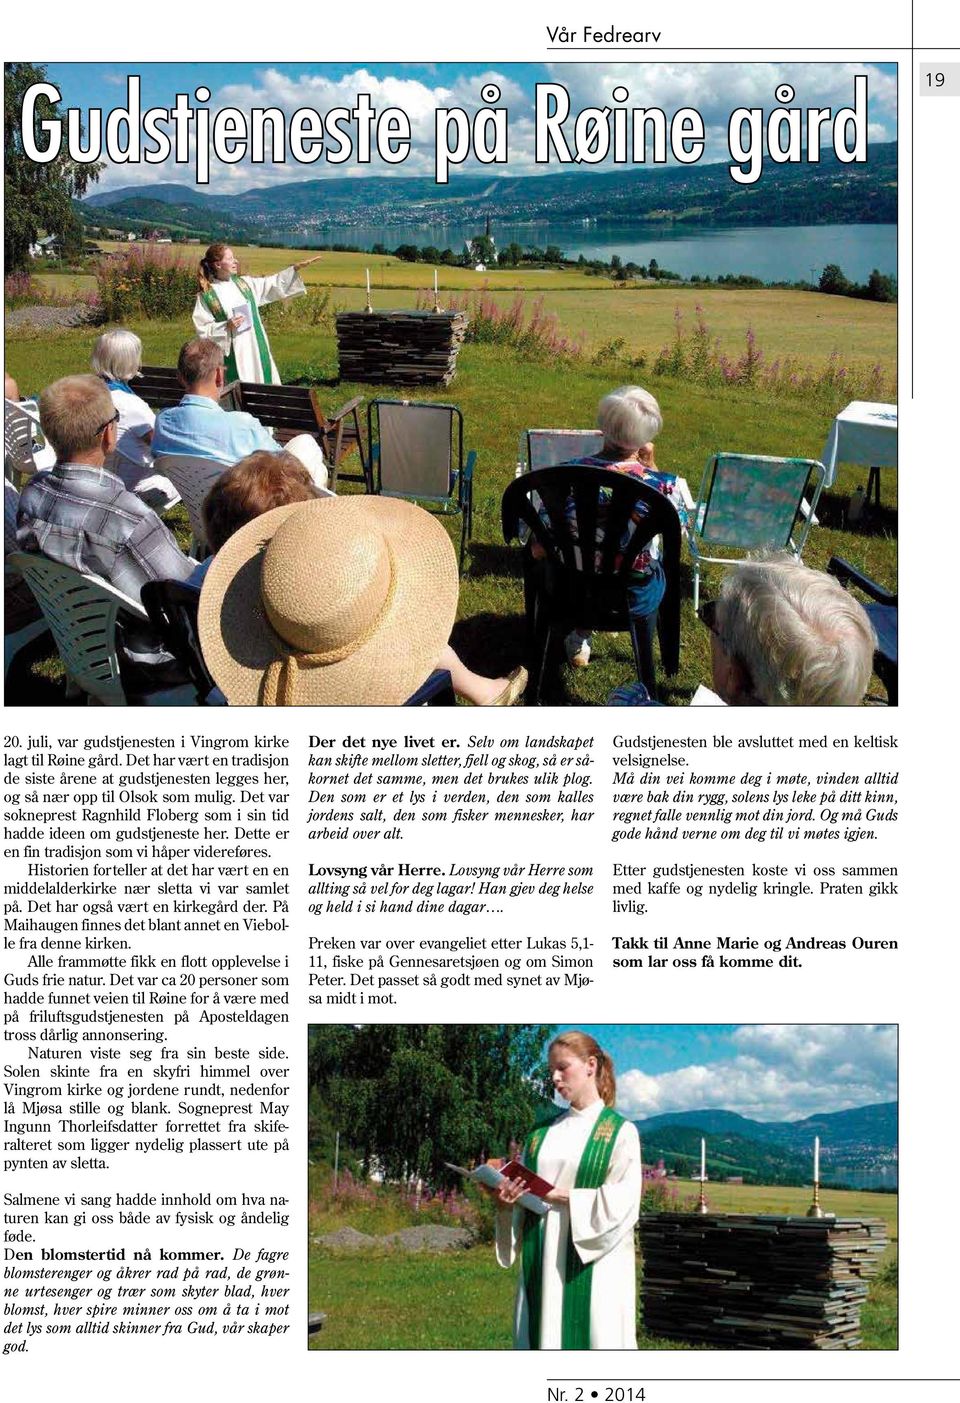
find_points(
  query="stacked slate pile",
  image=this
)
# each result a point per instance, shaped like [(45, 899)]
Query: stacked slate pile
[(738, 1281), (400, 348)]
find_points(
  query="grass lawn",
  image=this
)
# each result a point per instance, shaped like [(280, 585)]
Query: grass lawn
[(463, 1300), (501, 395)]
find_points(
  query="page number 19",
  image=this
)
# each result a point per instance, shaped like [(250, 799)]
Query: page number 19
[(934, 80)]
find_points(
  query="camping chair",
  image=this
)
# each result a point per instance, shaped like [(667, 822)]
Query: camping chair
[(413, 454), (546, 448), (23, 620), (192, 477), (21, 430), (748, 502), (587, 588), (171, 608), (882, 612), (82, 613)]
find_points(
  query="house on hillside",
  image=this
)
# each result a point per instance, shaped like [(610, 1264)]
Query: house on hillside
[(51, 246)]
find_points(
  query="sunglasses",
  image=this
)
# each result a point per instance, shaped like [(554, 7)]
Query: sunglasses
[(114, 419)]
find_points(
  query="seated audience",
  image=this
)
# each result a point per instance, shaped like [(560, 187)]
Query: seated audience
[(117, 357), (785, 635), (629, 419), (347, 601), (82, 516), (11, 390), (200, 427)]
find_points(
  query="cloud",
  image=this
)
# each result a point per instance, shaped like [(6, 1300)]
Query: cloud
[(777, 1072), (713, 89)]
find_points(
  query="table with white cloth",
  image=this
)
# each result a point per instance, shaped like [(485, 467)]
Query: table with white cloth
[(862, 433)]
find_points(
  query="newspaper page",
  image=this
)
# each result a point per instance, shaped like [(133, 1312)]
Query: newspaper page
[(364, 370)]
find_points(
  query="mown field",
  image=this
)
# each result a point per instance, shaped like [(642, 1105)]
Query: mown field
[(501, 393), (377, 1299), (805, 325)]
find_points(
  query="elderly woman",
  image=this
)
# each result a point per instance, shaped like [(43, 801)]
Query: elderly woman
[(629, 419), (116, 358)]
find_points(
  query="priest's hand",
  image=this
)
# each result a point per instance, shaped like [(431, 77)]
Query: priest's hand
[(305, 263), (557, 1196), (234, 323)]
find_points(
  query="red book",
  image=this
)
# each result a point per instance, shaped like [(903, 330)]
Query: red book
[(532, 1182)]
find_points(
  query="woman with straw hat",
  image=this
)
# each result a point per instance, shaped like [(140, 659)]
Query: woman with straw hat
[(343, 601)]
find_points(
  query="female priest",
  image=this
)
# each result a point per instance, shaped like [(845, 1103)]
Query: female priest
[(227, 310), (577, 1287)]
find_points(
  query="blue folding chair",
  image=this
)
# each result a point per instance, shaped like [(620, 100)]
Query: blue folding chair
[(748, 502)]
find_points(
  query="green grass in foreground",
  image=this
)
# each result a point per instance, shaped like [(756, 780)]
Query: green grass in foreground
[(463, 1300), (501, 395)]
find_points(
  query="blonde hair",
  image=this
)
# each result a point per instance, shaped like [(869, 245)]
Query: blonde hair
[(74, 412), (209, 263), (582, 1045), (117, 354)]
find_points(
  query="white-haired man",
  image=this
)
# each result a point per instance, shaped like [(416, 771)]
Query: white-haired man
[(785, 635)]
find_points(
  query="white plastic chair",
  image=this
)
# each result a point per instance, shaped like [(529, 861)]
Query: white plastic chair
[(15, 642), (548, 448), (192, 477), (21, 430), (81, 611)]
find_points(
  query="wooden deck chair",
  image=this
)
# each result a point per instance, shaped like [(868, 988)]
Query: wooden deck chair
[(547, 448), (82, 613), (192, 477), (416, 452), (748, 502), (291, 410)]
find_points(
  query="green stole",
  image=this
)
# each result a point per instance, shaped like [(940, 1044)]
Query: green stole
[(215, 307), (577, 1275)]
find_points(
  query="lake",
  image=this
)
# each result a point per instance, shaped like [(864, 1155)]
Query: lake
[(884, 1177), (782, 254)]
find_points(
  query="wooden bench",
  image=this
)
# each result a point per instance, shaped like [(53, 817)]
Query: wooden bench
[(286, 409), (295, 409)]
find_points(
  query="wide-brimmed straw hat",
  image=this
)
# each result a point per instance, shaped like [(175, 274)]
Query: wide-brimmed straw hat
[(345, 601)]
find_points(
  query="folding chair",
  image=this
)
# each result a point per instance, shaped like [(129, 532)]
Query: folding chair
[(82, 613), (749, 502), (192, 477), (882, 612), (416, 451), (587, 569), (546, 448)]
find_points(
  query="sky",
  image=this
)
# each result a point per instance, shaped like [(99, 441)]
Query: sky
[(715, 90), (772, 1071)]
